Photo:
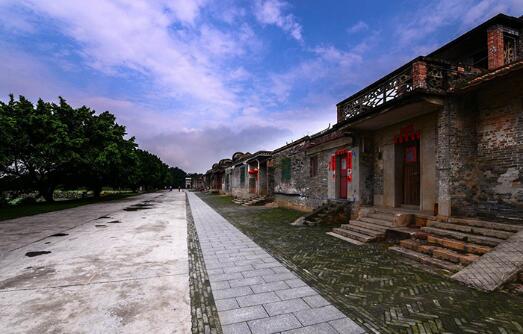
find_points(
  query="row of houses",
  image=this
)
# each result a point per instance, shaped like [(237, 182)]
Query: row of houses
[(442, 134), (418, 152)]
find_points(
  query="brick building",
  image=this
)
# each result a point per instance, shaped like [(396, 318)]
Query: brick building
[(419, 152)]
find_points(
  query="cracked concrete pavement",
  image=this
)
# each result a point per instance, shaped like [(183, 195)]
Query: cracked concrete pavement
[(124, 273)]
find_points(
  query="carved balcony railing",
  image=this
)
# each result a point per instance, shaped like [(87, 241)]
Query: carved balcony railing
[(419, 75)]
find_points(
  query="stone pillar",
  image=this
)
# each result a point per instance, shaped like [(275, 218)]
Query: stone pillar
[(419, 74), (495, 47), (258, 179)]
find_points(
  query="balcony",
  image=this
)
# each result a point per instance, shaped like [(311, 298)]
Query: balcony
[(422, 75)]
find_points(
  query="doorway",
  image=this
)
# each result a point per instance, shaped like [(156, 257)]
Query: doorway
[(411, 173), (343, 162)]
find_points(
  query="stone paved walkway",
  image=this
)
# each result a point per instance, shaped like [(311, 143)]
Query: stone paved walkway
[(497, 267), (254, 293)]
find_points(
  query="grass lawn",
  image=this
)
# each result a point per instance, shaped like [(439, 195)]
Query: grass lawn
[(378, 289), (17, 211)]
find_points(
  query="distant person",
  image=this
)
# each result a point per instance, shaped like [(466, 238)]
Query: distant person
[(170, 188), (179, 188)]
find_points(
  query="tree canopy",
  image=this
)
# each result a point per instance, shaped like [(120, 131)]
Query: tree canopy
[(50, 145)]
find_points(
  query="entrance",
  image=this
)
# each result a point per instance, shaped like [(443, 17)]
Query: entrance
[(411, 173), (342, 182)]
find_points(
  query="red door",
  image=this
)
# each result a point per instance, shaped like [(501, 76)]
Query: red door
[(344, 165)]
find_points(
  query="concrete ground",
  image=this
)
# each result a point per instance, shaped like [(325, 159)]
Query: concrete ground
[(124, 273)]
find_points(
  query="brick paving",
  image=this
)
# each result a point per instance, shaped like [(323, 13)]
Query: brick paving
[(255, 293), (379, 290), (204, 314), (497, 267)]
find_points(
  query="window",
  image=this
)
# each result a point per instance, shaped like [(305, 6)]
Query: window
[(242, 176), (286, 170), (313, 166)]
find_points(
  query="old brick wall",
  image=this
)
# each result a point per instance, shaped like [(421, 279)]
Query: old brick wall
[(487, 151), (297, 192), (463, 152)]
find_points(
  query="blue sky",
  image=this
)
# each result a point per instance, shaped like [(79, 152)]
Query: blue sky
[(195, 81)]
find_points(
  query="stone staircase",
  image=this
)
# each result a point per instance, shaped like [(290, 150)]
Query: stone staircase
[(454, 244), (371, 225), (258, 200), (331, 212)]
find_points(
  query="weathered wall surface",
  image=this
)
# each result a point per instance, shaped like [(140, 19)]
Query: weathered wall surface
[(487, 155), (303, 191)]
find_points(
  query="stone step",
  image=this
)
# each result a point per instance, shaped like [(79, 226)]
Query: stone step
[(472, 238), (376, 221), (417, 246), (486, 224), (471, 229), (453, 256), (363, 230), (382, 216), (352, 241), (458, 245), (353, 235), (426, 259), (369, 226)]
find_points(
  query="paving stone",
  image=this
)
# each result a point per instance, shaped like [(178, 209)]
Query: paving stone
[(316, 301), (239, 328), (226, 304), (281, 270), (286, 306), (258, 272), (232, 292), (266, 287), (317, 315), (279, 277), (225, 277), (236, 269), (346, 326), (323, 328), (266, 265), (220, 285), (274, 324), (246, 281), (242, 314), (257, 299), (295, 283), (296, 292)]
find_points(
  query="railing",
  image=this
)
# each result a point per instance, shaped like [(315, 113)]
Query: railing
[(420, 74)]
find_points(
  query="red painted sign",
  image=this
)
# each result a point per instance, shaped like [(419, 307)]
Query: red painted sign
[(407, 133)]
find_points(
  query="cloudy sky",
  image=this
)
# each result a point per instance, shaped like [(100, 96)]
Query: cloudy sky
[(196, 80)]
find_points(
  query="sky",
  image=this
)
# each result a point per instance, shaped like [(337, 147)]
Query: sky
[(196, 80)]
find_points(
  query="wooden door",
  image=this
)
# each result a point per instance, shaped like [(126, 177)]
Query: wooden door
[(344, 165), (411, 174)]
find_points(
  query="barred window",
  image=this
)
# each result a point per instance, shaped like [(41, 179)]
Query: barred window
[(286, 169), (313, 166)]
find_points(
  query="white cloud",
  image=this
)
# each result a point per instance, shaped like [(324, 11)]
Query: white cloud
[(358, 27), (141, 35), (438, 14), (271, 12)]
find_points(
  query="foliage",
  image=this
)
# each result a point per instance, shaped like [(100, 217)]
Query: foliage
[(49, 145)]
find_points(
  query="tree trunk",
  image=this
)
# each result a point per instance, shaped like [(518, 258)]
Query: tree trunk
[(97, 191), (47, 192)]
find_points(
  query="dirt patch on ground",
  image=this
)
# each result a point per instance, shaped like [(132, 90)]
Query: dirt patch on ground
[(36, 253), (30, 274)]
